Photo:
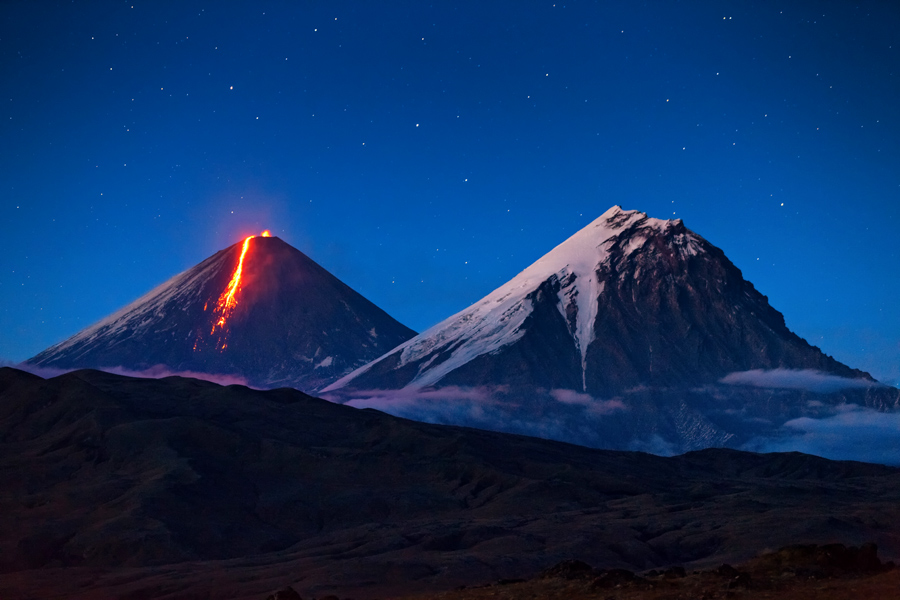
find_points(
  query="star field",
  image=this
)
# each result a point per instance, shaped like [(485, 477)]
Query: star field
[(425, 154)]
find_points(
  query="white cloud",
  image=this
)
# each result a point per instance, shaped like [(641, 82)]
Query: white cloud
[(594, 405), (796, 379), (494, 408), (855, 433), (409, 397), (652, 445)]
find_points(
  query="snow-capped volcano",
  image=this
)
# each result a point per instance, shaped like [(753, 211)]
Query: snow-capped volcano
[(497, 320), (259, 309), (627, 331), (612, 304)]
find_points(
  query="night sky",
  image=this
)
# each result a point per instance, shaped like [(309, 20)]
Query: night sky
[(425, 154)]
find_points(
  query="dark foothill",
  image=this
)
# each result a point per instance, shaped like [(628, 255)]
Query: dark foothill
[(287, 593), (727, 570), (824, 561), (510, 581), (674, 573), (569, 569), (614, 578), (741, 581)]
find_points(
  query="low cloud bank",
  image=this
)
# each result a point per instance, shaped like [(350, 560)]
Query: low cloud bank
[(443, 398), (796, 379), (469, 406), (154, 372), (411, 397), (653, 445), (855, 433), (591, 404), (562, 415)]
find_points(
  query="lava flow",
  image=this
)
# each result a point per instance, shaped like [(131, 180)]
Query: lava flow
[(228, 300)]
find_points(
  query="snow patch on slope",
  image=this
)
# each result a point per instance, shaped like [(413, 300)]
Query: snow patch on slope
[(147, 311)]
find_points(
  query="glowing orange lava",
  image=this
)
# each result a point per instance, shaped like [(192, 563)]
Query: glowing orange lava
[(228, 300)]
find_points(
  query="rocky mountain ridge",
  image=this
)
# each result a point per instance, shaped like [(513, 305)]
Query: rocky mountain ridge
[(630, 334)]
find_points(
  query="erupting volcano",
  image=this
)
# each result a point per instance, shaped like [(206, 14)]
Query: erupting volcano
[(259, 309)]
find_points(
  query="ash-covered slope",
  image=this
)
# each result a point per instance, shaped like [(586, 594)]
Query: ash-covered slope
[(259, 309), (630, 317)]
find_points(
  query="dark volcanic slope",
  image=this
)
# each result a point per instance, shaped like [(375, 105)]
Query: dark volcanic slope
[(294, 323), (627, 301), (120, 487)]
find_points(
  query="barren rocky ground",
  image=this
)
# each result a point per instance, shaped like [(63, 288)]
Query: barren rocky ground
[(115, 487)]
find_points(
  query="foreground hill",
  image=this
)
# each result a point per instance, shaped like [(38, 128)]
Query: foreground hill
[(177, 488), (798, 572)]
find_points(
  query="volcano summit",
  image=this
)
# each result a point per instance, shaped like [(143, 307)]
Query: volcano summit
[(259, 309)]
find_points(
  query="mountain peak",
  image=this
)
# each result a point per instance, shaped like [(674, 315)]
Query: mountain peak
[(573, 269), (622, 336), (617, 215), (618, 218), (260, 310), (618, 302)]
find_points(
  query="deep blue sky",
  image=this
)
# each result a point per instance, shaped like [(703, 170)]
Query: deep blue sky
[(427, 153)]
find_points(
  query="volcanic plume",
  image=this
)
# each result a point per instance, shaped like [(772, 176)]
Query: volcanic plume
[(259, 309)]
